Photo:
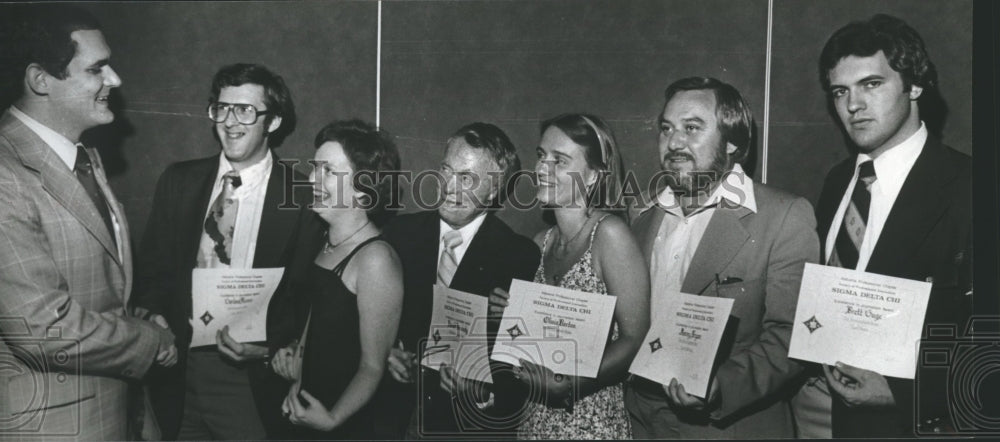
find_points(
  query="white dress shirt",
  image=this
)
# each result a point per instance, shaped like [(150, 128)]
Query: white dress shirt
[(891, 169), (250, 195), (66, 151), (468, 232), (678, 236)]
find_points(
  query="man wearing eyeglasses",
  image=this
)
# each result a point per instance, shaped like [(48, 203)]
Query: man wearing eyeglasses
[(223, 212)]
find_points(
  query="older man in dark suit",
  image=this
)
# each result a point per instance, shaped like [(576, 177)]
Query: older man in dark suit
[(912, 196), (463, 246), (225, 211), (67, 342)]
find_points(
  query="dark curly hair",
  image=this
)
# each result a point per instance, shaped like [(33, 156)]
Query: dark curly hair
[(38, 33), (900, 43), (732, 112), (373, 155), (277, 97)]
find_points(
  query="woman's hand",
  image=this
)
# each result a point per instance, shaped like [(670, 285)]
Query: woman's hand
[(556, 389), (498, 302), (312, 415), (287, 362)]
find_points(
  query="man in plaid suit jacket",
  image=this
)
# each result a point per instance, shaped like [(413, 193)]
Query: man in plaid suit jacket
[(68, 345)]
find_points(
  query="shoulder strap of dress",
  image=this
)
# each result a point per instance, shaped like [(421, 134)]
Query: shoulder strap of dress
[(545, 242), (594, 231), (339, 269)]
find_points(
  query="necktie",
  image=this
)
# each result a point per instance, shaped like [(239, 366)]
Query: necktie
[(448, 263), (221, 221), (84, 171), (852, 230)]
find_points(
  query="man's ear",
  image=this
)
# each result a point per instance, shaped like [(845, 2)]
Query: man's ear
[(37, 79), (274, 124), (915, 92)]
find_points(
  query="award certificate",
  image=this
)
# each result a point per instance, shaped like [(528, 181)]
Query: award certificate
[(561, 329), (235, 297), (862, 319)]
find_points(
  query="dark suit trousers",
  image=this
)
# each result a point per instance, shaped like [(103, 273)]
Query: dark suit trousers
[(218, 401)]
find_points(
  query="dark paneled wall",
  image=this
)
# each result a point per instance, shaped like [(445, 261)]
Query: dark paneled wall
[(513, 63)]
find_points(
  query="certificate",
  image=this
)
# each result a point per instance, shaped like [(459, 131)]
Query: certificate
[(861, 319), (457, 335), (564, 330), (683, 341), (235, 297)]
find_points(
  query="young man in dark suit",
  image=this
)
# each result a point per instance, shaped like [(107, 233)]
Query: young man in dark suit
[(466, 247), (225, 211), (913, 198)]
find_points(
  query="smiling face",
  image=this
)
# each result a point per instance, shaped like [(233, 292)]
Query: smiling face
[(80, 101), (563, 172), (245, 144), (872, 103), (469, 185), (332, 178), (690, 139)]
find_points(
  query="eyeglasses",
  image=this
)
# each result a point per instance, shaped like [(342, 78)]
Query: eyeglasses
[(245, 113)]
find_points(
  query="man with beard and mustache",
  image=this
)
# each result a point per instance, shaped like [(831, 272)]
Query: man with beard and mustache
[(714, 232)]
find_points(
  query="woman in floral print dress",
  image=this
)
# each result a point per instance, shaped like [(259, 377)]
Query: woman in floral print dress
[(591, 250)]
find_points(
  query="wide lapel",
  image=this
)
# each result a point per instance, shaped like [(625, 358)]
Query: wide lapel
[(119, 211), (468, 275), (276, 224), (645, 228), (58, 180), (427, 240), (832, 194), (921, 203), (197, 189), (723, 238)]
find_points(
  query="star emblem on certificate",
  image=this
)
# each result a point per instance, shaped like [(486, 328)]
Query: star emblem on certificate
[(812, 324), (206, 317), (655, 345)]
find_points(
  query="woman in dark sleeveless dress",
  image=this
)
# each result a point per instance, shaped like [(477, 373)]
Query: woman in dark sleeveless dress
[(591, 250), (352, 288)]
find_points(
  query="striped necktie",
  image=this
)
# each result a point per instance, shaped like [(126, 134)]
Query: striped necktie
[(852, 230)]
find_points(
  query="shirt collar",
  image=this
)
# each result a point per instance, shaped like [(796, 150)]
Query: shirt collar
[(895, 163), (468, 231), (736, 188), (63, 147), (250, 177)]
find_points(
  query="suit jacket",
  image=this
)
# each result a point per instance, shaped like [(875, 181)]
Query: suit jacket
[(495, 256), (927, 237), (169, 254), (63, 298), (767, 250)]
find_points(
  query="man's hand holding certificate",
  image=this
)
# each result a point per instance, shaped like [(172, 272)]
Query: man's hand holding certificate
[(861, 319), (458, 334), (237, 298), (682, 342), (564, 330)]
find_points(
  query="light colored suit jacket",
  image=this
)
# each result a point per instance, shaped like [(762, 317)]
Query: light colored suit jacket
[(765, 253), (68, 344)]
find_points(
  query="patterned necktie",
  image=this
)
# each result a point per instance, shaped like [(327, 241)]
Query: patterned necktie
[(448, 263), (221, 221), (84, 171), (852, 230)]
